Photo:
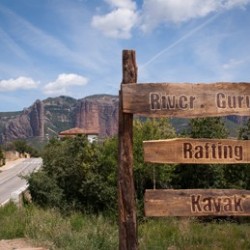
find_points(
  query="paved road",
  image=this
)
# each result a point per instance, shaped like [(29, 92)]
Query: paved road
[(10, 180)]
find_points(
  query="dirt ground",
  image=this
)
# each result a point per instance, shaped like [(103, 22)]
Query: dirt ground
[(18, 244)]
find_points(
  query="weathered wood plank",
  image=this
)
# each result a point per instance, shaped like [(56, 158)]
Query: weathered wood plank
[(197, 202), (126, 191), (186, 99), (187, 150)]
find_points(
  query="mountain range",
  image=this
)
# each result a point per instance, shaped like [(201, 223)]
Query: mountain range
[(46, 118)]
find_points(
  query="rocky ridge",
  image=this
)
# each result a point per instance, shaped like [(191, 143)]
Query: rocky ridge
[(45, 119)]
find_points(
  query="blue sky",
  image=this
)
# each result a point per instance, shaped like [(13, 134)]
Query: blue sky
[(73, 47)]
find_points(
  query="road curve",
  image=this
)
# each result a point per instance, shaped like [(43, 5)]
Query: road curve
[(11, 181)]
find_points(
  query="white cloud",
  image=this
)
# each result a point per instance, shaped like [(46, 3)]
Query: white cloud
[(18, 83), (233, 63), (127, 4), (156, 12), (124, 15), (63, 82), (119, 22), (234, 3)]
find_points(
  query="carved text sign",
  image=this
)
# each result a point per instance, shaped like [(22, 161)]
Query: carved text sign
[(187, 150), (197, 202), (186, 99)]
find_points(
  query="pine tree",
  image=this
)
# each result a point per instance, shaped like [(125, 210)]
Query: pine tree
[(238, 176), (201, 175)]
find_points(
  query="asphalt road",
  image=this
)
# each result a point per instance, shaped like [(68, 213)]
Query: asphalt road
[(10, 180)]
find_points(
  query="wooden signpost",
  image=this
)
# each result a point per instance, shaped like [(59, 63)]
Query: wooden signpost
[(178, 100), (126, 190), (187, 150), (186, 99), (197, 202)]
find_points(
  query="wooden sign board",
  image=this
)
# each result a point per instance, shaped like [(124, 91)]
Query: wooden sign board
[(186, 99), (187, 150), (197, 202)]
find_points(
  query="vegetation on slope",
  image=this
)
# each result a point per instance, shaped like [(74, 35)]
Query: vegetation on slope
[(78, 231), (75, 192), (82, 176)]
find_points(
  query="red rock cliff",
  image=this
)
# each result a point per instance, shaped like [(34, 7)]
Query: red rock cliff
[(98, 113)]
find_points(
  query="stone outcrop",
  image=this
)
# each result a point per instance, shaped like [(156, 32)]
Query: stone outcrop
[(45, 119), (28, 124), (99, 113), (37, 119)]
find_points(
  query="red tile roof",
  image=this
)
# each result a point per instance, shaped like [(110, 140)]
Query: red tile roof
[(79, 131)]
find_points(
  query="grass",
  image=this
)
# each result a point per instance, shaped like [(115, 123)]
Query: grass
[(78, 231), (55, 231), (191, 234), (12, 222)]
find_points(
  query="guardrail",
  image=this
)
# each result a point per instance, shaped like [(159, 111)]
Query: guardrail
[(19, 196)]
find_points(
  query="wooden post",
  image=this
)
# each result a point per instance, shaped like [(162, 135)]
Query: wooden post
[(126, 189)]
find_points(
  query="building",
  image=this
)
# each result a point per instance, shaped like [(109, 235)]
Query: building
[(92, 135)]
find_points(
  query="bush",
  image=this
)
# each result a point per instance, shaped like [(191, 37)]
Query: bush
[(202, 175), (74, 176), (80, 175)]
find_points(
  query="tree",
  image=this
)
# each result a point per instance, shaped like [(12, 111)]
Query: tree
[(244, 132), (150, 175), (1, 153), (74, 176), (200, 175), (22, 147), (238, 176), (2, 162), (79, 175), (209, 127)]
